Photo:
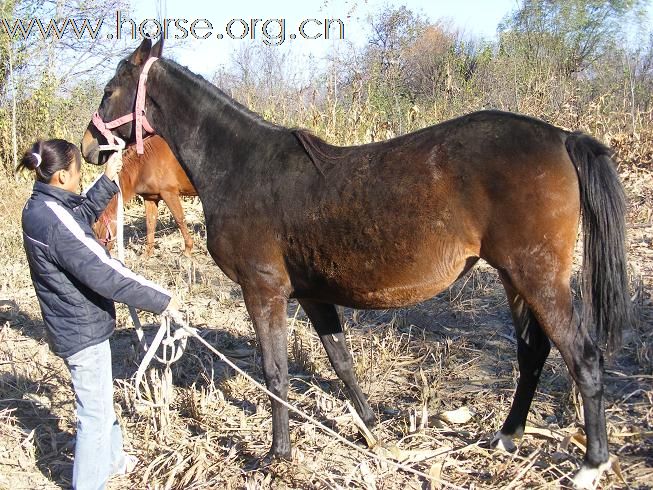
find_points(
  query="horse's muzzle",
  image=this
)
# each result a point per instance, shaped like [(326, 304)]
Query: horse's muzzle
[(90, 149)]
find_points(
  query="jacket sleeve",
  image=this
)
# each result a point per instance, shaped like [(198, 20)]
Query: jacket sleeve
[(97, 198), (82, 256)]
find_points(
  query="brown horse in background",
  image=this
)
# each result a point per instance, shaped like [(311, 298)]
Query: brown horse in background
[(154, 176)]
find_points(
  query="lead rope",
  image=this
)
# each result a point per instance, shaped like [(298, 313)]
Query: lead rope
[(173, 344)]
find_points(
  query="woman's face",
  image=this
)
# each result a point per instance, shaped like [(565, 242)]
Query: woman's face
[(75, 176), (69, 178)]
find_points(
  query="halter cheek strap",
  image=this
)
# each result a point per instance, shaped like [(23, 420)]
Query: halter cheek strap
[(108, 236), (138, 115)]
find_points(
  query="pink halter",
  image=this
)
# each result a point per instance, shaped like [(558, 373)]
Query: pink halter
[(138, 114), (108, 236)]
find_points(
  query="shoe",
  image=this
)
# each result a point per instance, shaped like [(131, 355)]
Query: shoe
[(131, 462)]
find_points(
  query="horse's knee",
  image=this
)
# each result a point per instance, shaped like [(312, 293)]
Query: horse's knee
[(276, 378)]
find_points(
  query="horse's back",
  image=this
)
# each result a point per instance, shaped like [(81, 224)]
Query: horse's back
[(457, 173), (408, 214)]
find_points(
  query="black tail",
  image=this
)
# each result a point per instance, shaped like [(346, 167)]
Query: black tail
[(606, 298)]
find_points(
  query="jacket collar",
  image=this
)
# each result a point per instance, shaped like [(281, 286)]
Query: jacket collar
[(70, 199)]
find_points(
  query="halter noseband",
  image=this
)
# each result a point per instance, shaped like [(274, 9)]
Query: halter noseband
[(138, 114)]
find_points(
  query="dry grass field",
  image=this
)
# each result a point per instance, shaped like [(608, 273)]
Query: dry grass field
[(454, 352)]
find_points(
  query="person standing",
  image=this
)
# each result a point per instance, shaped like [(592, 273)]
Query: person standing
[(76, 283)]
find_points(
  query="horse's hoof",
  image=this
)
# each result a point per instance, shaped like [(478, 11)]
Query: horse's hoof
[(588, 478), (280, 452), (266, 460), (279, 456), (503, 443), (261, 463), (258, 463), (369, 420)]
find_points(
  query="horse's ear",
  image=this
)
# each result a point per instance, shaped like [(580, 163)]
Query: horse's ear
[(142, 53), (157, 49)]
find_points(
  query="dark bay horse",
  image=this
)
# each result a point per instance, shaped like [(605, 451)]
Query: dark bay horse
[(393, 223), (156, 175)]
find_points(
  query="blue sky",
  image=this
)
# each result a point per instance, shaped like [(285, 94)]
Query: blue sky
[(478, 17)]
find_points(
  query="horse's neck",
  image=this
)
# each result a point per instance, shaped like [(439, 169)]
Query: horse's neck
[(210, 134), (129, 176), (108, 215)]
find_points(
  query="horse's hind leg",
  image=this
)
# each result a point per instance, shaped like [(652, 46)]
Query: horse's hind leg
[(174, 204), (324, 318), (552, 306), (532, 350), (151, 214), (585, 363)]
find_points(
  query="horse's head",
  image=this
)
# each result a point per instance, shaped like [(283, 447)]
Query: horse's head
[(119, 100)]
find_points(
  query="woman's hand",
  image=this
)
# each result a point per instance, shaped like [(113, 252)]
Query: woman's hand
[(114, 165), (173, 310)]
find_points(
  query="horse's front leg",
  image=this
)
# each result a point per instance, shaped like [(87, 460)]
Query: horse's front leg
[(267, 310), (324, 318), (174, 205)]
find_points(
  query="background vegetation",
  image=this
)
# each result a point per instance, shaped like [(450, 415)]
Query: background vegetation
[(580, 64)]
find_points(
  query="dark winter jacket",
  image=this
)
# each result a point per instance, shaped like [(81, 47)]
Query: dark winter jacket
[(75, 279)]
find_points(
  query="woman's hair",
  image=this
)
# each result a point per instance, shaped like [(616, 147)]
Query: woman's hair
[(48, 157)]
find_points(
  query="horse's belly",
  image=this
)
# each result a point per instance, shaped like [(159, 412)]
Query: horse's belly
[(388, 285), (397, 296)]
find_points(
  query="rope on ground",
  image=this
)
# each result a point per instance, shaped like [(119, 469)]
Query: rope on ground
[(194, 333)]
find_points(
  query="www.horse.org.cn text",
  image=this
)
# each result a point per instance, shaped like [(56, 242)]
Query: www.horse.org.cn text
[(271, 31)]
